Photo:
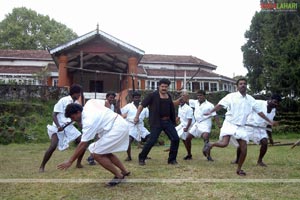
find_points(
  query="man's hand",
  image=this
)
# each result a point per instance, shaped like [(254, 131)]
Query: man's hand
[(65, 165), (274, 123), (207, 113), (136, 120), (59, 129)]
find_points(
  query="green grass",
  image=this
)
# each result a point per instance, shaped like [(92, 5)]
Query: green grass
[(195, 179)]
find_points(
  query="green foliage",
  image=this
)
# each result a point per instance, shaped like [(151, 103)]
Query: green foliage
[(24, 122), (271, 53), (26, 29)]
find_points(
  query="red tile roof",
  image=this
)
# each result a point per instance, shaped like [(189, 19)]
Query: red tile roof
[(25, 69), (180, 73), (26, 54), (174, 59)]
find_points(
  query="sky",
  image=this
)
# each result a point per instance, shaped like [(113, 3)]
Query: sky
[(210, 30)]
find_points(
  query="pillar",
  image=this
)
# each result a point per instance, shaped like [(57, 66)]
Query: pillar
[(63, 78), (132, 69)]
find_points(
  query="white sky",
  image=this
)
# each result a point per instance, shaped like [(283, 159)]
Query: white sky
[(210, 30)]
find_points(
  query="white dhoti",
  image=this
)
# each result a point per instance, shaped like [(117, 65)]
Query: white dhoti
[(69, 134), (181, 134), (137, 131), (114, 140), (199, 128), (256, 134), (236, 132)]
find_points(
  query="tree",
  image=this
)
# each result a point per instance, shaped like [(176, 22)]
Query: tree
[(26, 29), (271, 53)]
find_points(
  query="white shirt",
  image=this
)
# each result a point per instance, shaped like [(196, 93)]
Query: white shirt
[(192, 102), (60, 108), (255, 119), (202, 108), (185, 113), (239, 107), (130, 109), (96, 118)]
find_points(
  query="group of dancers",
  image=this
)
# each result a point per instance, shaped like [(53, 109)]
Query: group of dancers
[(113, 130)]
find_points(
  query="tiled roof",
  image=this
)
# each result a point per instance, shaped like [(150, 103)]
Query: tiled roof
[(174, 59), (26, 54), (180, 73), (24, 69)]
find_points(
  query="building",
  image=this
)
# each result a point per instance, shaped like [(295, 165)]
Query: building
[(101, 63)]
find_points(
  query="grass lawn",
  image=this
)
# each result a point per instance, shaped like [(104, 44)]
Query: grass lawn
[(193, 179)]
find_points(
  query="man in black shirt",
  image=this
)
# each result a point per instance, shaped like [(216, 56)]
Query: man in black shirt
[(161, 118)]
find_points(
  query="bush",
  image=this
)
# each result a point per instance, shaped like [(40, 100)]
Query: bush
[(24, 122)]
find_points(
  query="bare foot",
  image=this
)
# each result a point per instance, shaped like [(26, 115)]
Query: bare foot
[(79, 166), (126, 173), (261, 164), (234, 162)]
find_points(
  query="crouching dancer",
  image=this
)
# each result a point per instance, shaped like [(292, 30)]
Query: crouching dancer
[(62, 132), (112, 131)]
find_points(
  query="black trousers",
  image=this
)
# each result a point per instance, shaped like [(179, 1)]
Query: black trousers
[(169, 128)]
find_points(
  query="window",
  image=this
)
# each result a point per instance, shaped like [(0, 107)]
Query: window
[(206, 86), (96, 86), (139, 84), (55, 82), (213, 87), (195, 86), (153, 85)]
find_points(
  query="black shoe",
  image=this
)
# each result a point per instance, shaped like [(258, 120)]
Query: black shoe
[(115, 181), (209, 158), (128, 159), (188, 157), (142, 162), (91, 160), (172, 162), (206, 149)]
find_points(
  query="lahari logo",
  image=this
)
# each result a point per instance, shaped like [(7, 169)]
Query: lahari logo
[(285, 7)]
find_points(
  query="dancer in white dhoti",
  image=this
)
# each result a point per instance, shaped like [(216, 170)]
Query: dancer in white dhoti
[(203, 124), (256, 127), (62, 132), (239, 105), (112, 131), (108, 102), (186, 118), (137, 131)]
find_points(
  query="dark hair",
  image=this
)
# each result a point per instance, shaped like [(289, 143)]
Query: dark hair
[(75, 89), (110, 93), (72, 108), (276, 97), (241, 79), (136, 94), (201, 92), (164, 81)]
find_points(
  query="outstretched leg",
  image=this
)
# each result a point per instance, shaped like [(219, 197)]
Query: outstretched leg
[(79, 159), (263, 151), (205, 137), (117, 162), (223, 143), (238, 152), (49, 152), (243, 154), (188, 146), (111, 163), (129, 149), (270, 135), (106, 162)]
